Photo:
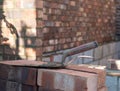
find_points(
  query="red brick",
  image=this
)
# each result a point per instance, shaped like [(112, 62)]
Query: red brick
[(91, 69), (39, 51), (39, 3), (15, 86), (66, 80), (23, 75)]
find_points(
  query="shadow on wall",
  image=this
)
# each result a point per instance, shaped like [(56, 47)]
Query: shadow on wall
[(28, 41), (8, 52)]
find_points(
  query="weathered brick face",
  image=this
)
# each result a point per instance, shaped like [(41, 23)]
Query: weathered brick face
[(69, 23), (51, 25)]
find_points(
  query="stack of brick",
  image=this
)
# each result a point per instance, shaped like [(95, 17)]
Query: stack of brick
[(16, 77)]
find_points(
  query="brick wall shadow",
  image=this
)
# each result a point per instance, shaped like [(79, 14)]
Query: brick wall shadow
[(6, 52), (29, 41)]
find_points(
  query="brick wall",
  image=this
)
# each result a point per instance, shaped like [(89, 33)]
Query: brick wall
[(48, 25), (70, 23)]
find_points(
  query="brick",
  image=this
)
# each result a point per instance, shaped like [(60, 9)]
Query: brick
[(45, 89), (39, 3), (38, 42), (72, 3), (104, 88), (29, 88), (1, 49), (38, 51), (30, 4), (8, 4), (99, 70), (49, 48), (66, 80), (23, 75), (14, 86), (113, 64), (30, 56), (68, 16), (40, 14)]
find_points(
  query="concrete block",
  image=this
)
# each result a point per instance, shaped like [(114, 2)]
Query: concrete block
[(67, 80), (119, 55), (112, 48), (98, 53), (103, 61), (106, 50), (95, 69), (117, 46), (115, 56)]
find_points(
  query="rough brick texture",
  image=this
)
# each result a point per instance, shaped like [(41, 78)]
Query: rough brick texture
[(50, 25), (100, 71), (71, 23), (22, 75), (16, 77), (67, 80), (15, 86)]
